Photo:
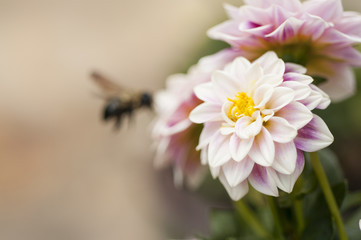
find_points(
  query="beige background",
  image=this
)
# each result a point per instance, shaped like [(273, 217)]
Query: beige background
[(63, 173)]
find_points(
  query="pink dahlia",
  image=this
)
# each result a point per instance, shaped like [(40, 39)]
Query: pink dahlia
[(317, 34), (257, 121), (175, 135)]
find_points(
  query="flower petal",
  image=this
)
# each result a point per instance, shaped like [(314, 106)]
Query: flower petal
[(340, 85), (205, 92), (280, 130), (314, 136), (296, 114), (237, 192), (239, 148), (263, 181), (285, 157), (280, 98), (226, 86), (206, 112), (237, 172), (286, 181), (209, 129), (218, 150), (263, 149), (247, 127)]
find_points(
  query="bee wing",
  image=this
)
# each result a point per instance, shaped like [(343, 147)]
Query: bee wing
[(109, 87)]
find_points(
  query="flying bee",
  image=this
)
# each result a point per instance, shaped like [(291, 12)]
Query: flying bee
[(120, 102)]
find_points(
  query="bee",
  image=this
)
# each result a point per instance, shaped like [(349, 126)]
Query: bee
[(120, 102)]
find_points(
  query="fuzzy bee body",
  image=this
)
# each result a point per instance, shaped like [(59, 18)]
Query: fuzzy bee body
[(119, 101)]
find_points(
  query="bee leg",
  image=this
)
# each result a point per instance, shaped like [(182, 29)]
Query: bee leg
[(118, 121)]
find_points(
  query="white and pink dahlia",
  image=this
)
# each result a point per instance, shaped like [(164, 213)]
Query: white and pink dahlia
[(257, 121), (176, 137), (317, 34)]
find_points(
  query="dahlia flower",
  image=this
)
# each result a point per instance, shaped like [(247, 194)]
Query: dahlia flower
[(176, 137), (317, 34), (257, 121)]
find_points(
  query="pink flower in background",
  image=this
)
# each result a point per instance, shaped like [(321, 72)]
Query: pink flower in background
[(317, 34), (257, 121), (175, 135)]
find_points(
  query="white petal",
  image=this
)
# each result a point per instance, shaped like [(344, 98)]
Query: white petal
[(237, 192), (263, 149), (325, 102), (297, 114), (297, 77), (215, 171), (285, 157), (218, 150), (263, 181), (280, 98), (239, 148), (280, 130), (237, 172), (246, 127), (292, 67), (287, 181), (314, 136), (206, 112), (262, 95), (225, 85), (204, 156), (253, 74), (302, 91), (205, 92), (209, 129), (271, 64), (238, 68)]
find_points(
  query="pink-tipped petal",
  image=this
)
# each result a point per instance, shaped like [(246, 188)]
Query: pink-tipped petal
[(285, 157), (237, 172), (302, 91), (327, 9), (280, 130), (261, 178), (286, 182), (296, 114), (314, 136)]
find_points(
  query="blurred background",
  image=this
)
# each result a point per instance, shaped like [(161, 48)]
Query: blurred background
[(64, 174)]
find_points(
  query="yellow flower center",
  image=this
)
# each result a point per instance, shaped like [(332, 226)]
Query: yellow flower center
[(242, 106)]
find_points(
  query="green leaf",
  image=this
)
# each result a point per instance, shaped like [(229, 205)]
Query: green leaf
[(352, 226), (223, 224), (331, 166), (351, 200), (321, 229)]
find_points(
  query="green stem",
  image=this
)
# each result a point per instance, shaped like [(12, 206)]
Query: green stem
[(276, 217), (246, 213), (299, 215), (330, 199)]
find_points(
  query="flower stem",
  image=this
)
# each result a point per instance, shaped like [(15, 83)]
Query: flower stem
[(299, 215), (330, 199), (247, 214), (276, 217)]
